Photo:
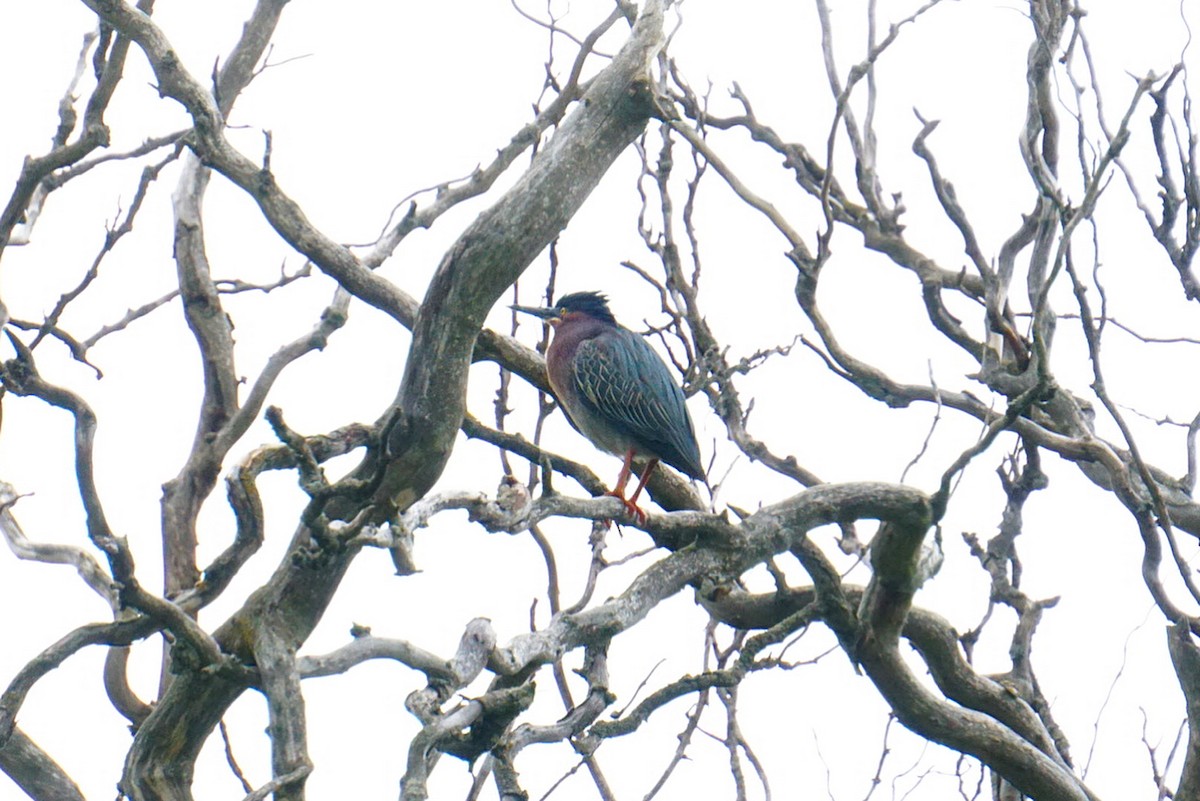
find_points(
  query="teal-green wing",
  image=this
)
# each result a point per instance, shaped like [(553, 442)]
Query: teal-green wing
[(621, 378)]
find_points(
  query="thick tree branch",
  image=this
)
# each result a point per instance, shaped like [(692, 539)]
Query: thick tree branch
[(35, 772), (287, 723)]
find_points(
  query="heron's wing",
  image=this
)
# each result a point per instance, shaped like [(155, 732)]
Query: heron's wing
[(621, 378)]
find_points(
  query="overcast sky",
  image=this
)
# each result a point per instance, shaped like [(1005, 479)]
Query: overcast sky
[(370, 102)]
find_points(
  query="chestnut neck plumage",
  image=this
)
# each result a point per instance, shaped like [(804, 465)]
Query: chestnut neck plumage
[(574, 328)]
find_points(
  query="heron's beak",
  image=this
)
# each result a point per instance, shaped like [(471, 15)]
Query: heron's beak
[(549, 315)]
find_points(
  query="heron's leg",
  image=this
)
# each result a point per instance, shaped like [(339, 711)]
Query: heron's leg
[(623, 477), (650, 465)]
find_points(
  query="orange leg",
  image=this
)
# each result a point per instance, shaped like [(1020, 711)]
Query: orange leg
[(623, 480), (623, 476), (642, 482)]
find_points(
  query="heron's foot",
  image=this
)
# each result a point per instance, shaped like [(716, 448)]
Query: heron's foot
[(632, 508)]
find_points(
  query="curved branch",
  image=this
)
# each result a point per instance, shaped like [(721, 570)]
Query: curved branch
[(247, 505), (119, 633), (995, 726), (364, 648), (116, 687), (730, 550), (85, 564), (20, 377)]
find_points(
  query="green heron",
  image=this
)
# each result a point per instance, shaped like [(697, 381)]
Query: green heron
[(616, 391)]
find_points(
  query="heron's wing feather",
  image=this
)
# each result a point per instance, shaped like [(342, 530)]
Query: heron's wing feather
[(620, 377)]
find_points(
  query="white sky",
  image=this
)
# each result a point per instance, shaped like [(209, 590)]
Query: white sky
[(391, 98)]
